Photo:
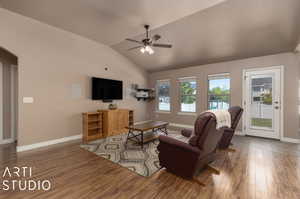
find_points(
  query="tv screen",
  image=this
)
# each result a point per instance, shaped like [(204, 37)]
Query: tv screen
[(106, 89)]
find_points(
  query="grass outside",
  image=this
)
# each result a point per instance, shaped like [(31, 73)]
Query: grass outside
[(261, 122)]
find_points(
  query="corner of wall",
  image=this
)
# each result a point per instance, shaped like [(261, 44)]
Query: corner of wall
[(66, 51)]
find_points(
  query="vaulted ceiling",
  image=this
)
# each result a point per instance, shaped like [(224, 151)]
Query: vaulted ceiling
[(201, 32), (106, 21), (232, 30)]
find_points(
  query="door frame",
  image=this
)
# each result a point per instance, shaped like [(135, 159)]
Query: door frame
[(14, 103), (14, 106), (244, 119)]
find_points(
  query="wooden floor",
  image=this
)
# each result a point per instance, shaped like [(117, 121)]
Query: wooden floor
[(260, 168)]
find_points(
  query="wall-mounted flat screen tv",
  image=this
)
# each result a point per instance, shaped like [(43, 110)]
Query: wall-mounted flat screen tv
[(106, 89)]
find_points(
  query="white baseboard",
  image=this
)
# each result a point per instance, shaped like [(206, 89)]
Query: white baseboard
[(56, 141), (182, 125), (7, 141), (47, 143), (290, 140)]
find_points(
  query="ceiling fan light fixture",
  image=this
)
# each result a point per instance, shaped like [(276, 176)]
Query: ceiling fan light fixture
[(150, 51), (147, 49), (146, 43)]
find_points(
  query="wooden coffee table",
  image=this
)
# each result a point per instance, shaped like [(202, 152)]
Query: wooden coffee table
[(137, 132)]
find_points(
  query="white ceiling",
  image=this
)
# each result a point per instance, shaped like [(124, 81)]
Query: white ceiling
[(107, 21)]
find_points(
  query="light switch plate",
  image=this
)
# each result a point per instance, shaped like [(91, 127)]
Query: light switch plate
[(28, 100)]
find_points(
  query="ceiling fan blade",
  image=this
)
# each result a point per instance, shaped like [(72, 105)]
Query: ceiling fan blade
[(136, 41), (134, 48), (162, 45), (156, 37)]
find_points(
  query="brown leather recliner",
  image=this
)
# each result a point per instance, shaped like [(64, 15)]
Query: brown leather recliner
[(186, 159), (236, 113)]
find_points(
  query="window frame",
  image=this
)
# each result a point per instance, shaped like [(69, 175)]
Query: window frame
[(218, 76), (186, 79), (157, 90)]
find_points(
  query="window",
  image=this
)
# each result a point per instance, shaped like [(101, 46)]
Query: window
[(188, 91), (218, 91), (163, 93)]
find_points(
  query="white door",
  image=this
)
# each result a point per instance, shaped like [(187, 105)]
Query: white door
[(263, 102)]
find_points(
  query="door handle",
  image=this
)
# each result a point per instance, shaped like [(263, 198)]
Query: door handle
[(276, 107)]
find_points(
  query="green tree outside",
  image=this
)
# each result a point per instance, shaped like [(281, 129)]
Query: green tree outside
[(188, 93), (219, 94)]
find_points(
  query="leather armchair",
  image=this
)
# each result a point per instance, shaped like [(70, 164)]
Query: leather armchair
[(236, 114), (186, 159)]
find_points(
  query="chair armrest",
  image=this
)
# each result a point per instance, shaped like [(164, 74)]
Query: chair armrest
[(178, 157), (186, 132), (226, 129), (178, 145)]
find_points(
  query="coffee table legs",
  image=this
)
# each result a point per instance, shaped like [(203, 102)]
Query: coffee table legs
[(163, 129), (131, 135)]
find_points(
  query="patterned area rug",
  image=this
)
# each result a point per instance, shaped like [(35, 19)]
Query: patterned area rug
[(142, 161)]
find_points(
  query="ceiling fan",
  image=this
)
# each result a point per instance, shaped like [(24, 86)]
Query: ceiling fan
[(148, 42)]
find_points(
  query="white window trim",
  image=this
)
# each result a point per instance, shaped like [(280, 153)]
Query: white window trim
[(184, 79), (187, 79), (162, 112), (157, 102), (187, 113), (218, 76)]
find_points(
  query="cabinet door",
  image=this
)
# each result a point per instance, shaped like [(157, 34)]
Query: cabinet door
[(123, 119), (113, 122)]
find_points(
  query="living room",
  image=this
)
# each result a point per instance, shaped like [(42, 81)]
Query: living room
[(80, 89)]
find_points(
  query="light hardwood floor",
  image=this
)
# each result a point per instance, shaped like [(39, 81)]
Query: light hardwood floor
[(260, 168)]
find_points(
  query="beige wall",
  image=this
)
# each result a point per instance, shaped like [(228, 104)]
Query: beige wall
[(289, 60), (50, 62)]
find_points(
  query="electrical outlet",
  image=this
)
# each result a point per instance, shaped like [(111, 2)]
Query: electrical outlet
[(28, 100)]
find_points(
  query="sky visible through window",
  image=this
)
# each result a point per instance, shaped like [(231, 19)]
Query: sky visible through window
[(222, 83)]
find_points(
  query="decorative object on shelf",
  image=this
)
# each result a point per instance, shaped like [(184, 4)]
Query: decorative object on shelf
[(143, 93), (134, 86), (112, 106)]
